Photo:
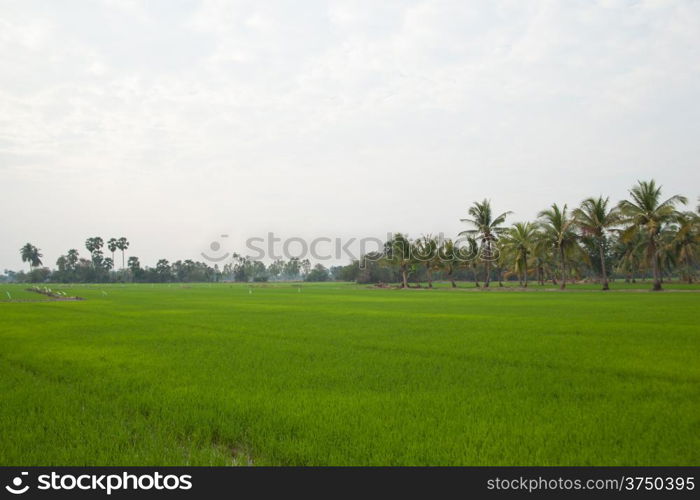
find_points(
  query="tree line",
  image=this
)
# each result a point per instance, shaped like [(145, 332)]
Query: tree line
[(72, 268), (645, 235)]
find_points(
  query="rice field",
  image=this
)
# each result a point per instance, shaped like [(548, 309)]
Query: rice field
[(343, 374)]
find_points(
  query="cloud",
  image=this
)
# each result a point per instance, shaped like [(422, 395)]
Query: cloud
[(181, 118)]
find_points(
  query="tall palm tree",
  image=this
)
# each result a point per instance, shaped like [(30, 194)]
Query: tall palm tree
[(112, 246), (122, 244), (30, 254), (486, 228), (595, 219), (558, 232), (517, 243), (647, 214)]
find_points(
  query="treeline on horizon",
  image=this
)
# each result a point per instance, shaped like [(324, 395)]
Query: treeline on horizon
[(643, 236)]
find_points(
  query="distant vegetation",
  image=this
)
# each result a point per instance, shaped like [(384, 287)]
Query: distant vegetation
[(645, 235)]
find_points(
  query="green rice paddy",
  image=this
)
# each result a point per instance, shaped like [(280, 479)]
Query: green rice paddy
[(341, 374)]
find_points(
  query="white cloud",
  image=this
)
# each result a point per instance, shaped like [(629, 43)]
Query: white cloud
[(168, 121)]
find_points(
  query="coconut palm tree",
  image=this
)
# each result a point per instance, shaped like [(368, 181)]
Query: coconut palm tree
[(647, 214), (398, 252), (517, 244), (629, 254), (122, 244), (426, 252), (594, 219), (685, 243), (449, 259), (486, 228), (30, 254), (558, 232)]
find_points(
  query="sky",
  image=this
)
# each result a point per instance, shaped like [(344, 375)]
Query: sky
[(175, 122)]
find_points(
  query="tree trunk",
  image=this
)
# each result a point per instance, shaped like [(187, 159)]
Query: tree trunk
[(405, 278), (430, 276), (655, 266), (449, 275), (525, 266), (563, 269), (487, 278), (602, 267)]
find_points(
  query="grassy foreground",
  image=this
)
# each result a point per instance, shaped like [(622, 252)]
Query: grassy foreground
[(339, 374)]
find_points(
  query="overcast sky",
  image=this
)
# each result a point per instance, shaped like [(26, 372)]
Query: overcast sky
[(173, 122)]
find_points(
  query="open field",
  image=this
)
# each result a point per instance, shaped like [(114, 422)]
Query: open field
[(335, 374)]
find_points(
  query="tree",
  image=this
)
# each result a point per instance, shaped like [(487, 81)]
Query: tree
[(275, 269), (449, 259), (31, 254), (292, 268), (646, 214), (558, 232), (629, 254), (112, 246), (595, 219), (398, 252), (135, 266), (486, 229), (163, 270), (72, 258), (94, 246), (62, 264), (122, 244), (686, 242), (425, 251), (318, 273), (305, 267), (517, 243)]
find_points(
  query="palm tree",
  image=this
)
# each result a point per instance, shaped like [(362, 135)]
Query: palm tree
[(426, 252), (486, 228), (517, 243), (629, 254), (685, 242), (122, 244), (595, 219), (558, 232), (449, 259), (94, 245), (31, 254), (470, 260), (112, 246), (647, 214), (398, 251)]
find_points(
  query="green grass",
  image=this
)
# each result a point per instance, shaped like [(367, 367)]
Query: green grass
[(340, 374)]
